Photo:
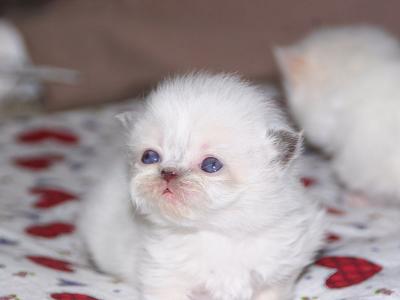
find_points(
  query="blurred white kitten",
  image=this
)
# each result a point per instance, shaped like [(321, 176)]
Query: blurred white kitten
[(215, 205), (343, 89), (13, 59), (20, 80)]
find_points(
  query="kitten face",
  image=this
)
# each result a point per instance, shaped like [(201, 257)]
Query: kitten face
[(198, 147), (188, 191)]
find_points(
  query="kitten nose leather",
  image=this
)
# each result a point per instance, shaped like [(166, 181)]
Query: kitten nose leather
[(169, 173)]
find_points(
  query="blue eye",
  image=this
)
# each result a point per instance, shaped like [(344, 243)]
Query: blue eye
[(211, 165), (150, 157)]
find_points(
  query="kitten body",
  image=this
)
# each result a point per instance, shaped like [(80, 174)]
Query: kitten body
[(244, 232), (343, 89)]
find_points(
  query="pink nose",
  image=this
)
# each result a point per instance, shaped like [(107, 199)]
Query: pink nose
[(168, 174)]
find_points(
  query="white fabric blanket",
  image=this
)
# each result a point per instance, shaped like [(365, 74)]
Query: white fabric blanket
[(47, 163)]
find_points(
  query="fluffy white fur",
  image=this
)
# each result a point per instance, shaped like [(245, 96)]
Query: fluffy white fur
[(245, 232), (343, 89)]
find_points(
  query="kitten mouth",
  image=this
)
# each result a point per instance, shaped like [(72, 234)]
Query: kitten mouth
[(167, 191), (169, 195)]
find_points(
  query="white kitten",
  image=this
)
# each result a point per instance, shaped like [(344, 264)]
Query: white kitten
[(207, 200), (343, 89)]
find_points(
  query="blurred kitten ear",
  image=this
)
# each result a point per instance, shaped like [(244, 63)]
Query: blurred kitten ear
[(127, 118), (290, 62), (288, 145)]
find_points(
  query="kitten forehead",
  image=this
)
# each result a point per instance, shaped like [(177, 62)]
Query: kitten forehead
[(222, 100), (227, 114)]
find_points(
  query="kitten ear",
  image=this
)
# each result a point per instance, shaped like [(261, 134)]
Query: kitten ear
[(127, 118), (288, 145), (290, 62)]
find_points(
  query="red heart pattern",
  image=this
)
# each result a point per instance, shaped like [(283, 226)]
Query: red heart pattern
[(52, 263), (71, 296), (9, 297), (308, 181), (334, 211), (51, 230), (39, 135), (50, 197), (332, 237), (350, 270), (38, 162)]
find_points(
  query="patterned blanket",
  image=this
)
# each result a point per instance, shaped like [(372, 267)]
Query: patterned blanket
[(47, 165)]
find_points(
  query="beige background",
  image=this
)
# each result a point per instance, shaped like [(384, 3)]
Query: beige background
[(123, 47)]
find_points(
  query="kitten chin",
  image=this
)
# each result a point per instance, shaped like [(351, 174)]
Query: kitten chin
[(342, 89), (215, 197)]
